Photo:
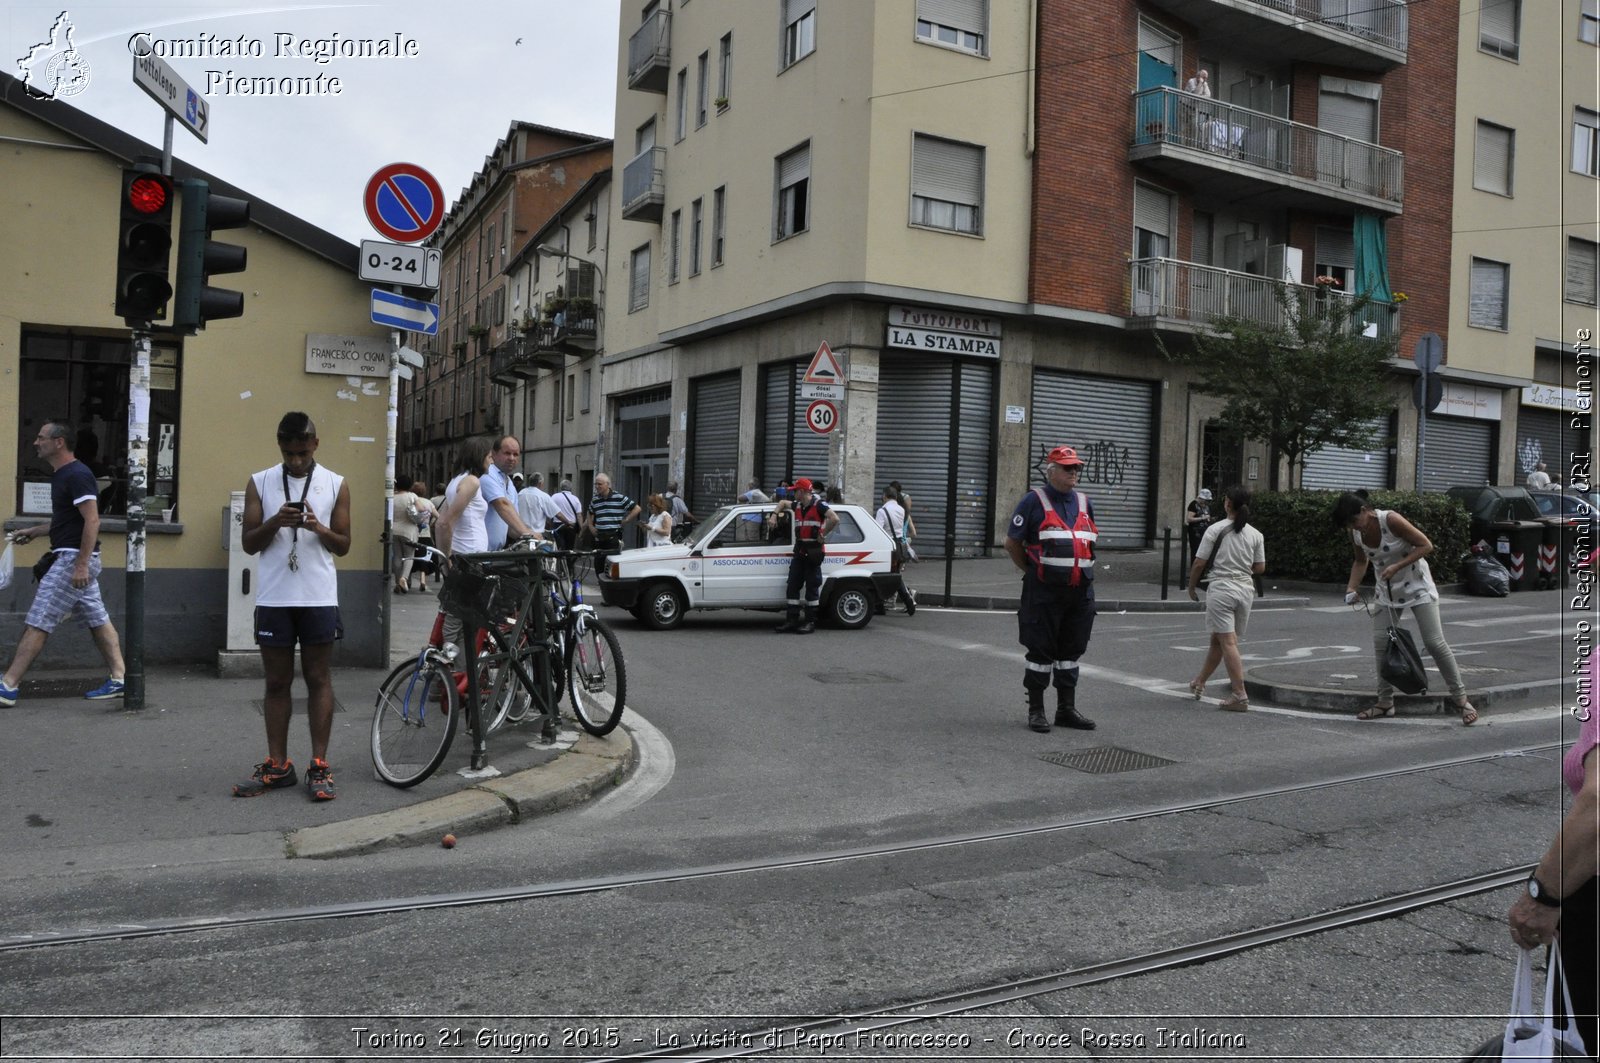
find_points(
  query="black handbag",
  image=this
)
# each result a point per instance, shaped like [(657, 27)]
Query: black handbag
[(41, 566), (1401, 666)]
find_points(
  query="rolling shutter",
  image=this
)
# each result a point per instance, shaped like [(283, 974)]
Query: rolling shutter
[(1345, 469), (1544, 435), (1486, 300), (1583, 258), (1460, 451), (1491, 159), (1110, 423), (714, 442), (945, 170), (789, 448), (957, 14)]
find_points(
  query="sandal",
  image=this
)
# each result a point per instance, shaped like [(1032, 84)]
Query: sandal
[(1197, 688), (1375, 712), (1235, 702), (1469, 715)]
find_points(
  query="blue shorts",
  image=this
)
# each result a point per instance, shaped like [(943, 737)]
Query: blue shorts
[(57, 599), (309, 625)]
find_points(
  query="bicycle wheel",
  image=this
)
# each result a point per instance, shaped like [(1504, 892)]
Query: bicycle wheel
[(413, 722), (510, 703), (597, 680)]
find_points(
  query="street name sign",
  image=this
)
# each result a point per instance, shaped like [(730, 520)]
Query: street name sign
[(151, 73), (413, 267), (347, 355), (397, 311)]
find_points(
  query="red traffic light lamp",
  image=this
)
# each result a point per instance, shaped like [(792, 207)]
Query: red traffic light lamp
[(144, 243)]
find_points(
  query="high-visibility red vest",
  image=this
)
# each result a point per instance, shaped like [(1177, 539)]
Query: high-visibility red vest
[(1064, 554), (808, 522)]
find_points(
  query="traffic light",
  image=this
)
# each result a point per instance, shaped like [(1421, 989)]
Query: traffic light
[(199, 256), (144, 242)]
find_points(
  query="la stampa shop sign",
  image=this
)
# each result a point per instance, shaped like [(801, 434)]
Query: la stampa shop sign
[(927, 328)]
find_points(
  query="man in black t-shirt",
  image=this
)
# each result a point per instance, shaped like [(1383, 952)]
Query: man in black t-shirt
[(71, 586)]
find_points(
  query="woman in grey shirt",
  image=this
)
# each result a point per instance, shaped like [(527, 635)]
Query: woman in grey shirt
[(1237, 553)]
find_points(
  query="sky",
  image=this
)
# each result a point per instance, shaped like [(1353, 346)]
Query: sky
[(443, 108)]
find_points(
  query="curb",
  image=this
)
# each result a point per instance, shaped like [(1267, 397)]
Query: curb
[(1341, 702), (1102, 605), (591, 766)]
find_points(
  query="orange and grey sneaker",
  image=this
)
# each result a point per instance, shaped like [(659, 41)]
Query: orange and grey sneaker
[(269, 775), (319, 781)]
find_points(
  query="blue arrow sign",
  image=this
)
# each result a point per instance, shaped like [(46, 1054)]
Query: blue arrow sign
[(397, 311)]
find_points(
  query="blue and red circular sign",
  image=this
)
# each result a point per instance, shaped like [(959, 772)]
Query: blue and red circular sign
[(404, 202)]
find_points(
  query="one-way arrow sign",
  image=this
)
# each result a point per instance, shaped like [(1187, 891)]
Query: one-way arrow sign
[(397, 311)]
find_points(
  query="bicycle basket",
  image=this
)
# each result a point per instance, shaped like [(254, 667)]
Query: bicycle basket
[(478, 598)]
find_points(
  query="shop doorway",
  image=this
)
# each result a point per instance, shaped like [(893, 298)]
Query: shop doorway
[(1221, 459)]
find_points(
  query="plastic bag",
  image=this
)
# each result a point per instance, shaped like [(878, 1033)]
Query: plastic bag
[(8, 565), (1528, 1036), (1485, 576)]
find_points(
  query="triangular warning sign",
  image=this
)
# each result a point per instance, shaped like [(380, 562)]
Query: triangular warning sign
[(824, 368)]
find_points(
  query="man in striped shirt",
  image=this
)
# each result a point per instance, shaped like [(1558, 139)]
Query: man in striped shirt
[(608, 511)]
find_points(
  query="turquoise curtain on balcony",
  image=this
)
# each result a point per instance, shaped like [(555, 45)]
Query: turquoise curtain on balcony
[(1372, 269)]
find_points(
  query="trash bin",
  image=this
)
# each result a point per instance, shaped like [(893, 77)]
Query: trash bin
[(1515, 543), (1552, 556)]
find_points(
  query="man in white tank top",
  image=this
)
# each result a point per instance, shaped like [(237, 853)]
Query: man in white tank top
[(297, 518)]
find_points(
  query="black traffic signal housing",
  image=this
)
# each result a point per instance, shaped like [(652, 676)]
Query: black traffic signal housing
[(144, 243), (199, 256)]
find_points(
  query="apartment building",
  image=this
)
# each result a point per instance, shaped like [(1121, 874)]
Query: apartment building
[(989, 212), (530, 173), (1523, 306)]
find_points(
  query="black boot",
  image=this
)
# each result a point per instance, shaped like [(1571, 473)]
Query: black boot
[(809, 624), (1036, 720), (1067, 714), (792, 623)]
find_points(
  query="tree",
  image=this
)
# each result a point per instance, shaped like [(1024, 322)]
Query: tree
[(1308, 380)]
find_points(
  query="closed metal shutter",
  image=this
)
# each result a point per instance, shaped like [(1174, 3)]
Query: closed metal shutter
[(789, 448), (713, 442), (957, 14), (917, 411), (1344, 469), (1545, 435), (1110, 423), (1460, 452)]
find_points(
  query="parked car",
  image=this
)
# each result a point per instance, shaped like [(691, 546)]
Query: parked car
[(1488, 505), (1569, 505), (734, 561)]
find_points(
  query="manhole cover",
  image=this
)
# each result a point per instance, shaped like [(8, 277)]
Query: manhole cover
[(858, 678), (1106, 760)]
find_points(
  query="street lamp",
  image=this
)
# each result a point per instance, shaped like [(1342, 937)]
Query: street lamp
[(599, 322)]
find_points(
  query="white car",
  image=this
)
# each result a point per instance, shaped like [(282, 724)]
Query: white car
[(733, 560)]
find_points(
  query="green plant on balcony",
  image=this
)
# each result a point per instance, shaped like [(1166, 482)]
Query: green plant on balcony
[(477, 330), (579, 309), (720, 102)]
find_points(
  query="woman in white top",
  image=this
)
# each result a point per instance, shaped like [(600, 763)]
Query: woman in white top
[(1384, 538), (460, 528), (1237, 553), (659, 525)]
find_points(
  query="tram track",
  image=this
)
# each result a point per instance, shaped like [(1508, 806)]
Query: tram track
[(605, 883)]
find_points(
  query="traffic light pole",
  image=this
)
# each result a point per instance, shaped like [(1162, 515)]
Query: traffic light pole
[(138, 473)]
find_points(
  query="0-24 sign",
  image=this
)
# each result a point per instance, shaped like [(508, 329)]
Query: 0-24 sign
[(414, 267)]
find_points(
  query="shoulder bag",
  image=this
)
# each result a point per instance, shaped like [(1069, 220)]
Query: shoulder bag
[(1401, 666)]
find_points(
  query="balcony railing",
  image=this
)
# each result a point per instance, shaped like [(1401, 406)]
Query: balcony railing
[(1226, 136), (650, 53), (1383, 22), (526, 356), (1174, 290), (644, 185)]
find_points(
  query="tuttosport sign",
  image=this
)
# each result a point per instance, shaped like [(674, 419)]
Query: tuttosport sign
[(347, 355), (942, 331)]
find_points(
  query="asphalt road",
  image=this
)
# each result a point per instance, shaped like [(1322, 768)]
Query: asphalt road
[(756, 746)]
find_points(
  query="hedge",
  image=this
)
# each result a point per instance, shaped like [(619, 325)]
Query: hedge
[(1302, 544)]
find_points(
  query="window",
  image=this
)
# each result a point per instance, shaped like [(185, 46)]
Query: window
[(799, 30), (946, 184), (725, 69), (675, 242), (697, 212), (1589, 22), (702, 89), (85, 378), (571, 385), (683, 103), (1491, 282), (718, 223), (639, 279), (1491, 160), (1586, 141), (1583, 271), (1499, 27), (957, 23), (794, 192), (586, 396), (593, 220)]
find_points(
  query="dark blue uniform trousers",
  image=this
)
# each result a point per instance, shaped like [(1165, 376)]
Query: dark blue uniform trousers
[(1053, 625)]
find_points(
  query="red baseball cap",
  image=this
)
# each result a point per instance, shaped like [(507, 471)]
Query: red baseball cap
[(803, 484), (1064, 456)]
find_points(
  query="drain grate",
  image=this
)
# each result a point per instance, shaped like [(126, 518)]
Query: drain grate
[(855, 678), (1106, 760)]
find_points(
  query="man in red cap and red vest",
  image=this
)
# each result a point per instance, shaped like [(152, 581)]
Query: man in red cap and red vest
[(1051, 539), (813, 520)]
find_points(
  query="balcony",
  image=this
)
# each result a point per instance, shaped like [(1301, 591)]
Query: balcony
[(1228, 152), (526, 356), (650, 54), (1362, 34), (1166, 291), (644, 185), (574, 331)]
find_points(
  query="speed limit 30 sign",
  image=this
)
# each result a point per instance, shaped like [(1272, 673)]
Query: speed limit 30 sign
[(822, 416)]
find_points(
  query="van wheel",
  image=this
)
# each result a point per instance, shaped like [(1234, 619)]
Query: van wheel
[(851, 607), (662, 606)]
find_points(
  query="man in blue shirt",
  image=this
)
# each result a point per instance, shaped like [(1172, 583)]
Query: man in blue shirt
[(498, 492), (71, 587)]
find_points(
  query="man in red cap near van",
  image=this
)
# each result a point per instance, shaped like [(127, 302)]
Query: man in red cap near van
[(813, 520), (1051, 539)]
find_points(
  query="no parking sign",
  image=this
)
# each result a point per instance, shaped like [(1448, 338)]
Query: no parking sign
[(404, 202)]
